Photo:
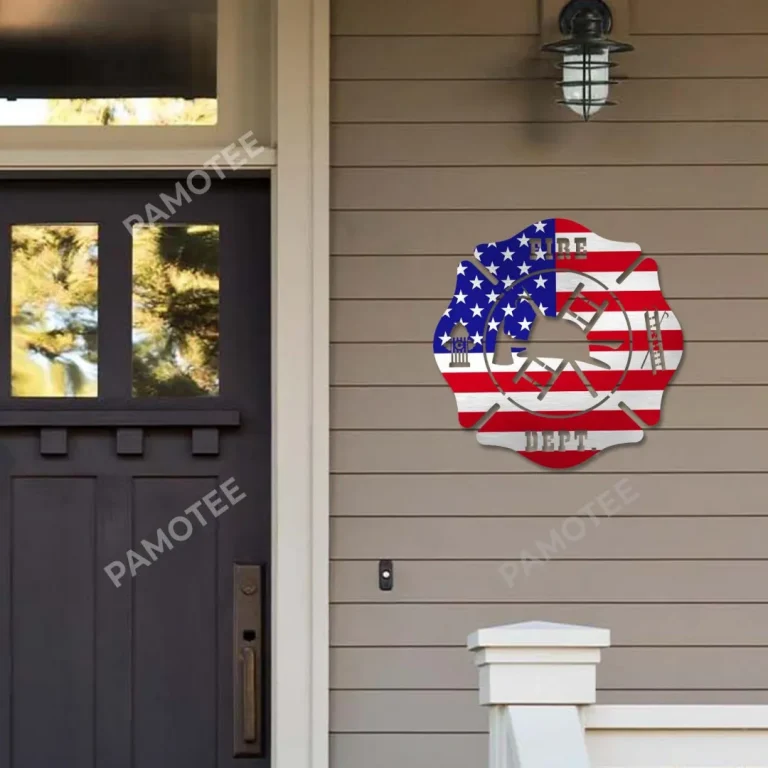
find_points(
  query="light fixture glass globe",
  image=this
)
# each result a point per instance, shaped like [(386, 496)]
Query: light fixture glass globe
[(586, 81), (585, 55)]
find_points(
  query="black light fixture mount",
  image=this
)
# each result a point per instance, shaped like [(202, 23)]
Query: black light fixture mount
[(586, 52)]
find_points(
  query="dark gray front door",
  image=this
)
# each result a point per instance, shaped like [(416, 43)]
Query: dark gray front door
[(134, 383)]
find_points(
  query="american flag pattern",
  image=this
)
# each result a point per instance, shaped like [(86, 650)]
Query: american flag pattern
[(560, 279)]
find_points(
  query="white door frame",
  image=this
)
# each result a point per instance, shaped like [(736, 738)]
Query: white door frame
[(300, 259)]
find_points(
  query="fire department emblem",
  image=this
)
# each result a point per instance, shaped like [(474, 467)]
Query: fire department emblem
[(558, 343)]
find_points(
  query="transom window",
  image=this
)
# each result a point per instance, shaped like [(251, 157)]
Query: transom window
[(101, 62)]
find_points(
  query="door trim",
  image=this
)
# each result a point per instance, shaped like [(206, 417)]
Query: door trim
[(300, 376)]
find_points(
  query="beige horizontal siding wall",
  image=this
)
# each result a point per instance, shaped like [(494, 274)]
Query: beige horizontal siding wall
[(445, 135)]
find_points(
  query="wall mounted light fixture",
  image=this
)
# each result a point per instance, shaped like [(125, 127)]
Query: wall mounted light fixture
[(586, 53)]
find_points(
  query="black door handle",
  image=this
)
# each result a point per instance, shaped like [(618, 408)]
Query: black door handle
[(247, 660)]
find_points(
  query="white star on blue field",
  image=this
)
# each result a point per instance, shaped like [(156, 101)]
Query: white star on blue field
[(521, 276)]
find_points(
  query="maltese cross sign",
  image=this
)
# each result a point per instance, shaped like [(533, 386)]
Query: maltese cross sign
[(558, 343)]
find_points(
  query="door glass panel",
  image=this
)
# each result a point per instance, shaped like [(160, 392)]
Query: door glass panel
[(175, 310), (54, 310)]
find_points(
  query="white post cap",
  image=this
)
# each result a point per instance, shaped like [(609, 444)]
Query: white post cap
[(538, 662)]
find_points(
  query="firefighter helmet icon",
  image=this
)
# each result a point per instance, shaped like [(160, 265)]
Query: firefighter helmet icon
[(558, 343)]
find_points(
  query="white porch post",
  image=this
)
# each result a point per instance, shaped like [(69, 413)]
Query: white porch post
[(533, 678)]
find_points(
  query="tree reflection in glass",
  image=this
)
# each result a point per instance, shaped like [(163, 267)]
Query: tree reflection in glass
[(54, 310), (175, 310)]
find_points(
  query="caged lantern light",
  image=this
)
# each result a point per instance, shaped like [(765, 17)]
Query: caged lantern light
[(586, 53)]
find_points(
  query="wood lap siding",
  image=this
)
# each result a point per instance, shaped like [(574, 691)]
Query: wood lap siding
[(445, 134)]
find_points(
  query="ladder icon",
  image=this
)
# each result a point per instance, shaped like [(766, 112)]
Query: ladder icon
[(655, 345)]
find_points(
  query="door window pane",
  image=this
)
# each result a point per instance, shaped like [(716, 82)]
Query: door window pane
[(175, 310), (54, 310)]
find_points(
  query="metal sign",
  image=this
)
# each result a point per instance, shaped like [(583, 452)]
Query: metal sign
[(558, 343)]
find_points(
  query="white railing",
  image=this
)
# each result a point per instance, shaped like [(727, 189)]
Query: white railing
[(538, 681)]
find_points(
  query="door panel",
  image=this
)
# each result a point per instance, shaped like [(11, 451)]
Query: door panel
[(53, 620), (175, 631), (139, 676)]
